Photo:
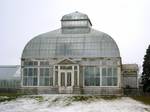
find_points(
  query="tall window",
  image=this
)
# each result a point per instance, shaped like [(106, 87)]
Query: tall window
[(46, 78), (109, 77), (95, 77), (30, 76), (92, 76)]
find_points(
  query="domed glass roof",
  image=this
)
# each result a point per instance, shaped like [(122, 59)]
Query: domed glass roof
[(55, 44), (80, 44)]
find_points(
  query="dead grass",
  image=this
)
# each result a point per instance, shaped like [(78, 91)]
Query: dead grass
[(143, 99)]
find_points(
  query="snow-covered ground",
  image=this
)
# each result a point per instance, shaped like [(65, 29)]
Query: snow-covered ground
[(63, 103)]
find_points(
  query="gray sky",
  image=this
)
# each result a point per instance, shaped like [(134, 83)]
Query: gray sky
[(127, 21)]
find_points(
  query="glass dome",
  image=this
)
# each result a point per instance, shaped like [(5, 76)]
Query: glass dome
[(77, 41)]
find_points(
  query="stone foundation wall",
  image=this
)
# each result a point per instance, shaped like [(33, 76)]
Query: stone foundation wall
[(75, 90), (103, 90)]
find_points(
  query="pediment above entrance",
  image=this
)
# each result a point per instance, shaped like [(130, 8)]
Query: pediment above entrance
[(66, 61)]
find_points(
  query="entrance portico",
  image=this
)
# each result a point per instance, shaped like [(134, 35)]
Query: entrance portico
[(66, 76)]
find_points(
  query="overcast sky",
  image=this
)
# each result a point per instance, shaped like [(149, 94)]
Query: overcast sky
[(127, 21)]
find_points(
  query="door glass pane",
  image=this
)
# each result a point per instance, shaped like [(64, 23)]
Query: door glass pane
[(62, 79), (68, 78)]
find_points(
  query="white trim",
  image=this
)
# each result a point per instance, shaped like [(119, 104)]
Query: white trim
[(100, 70), (83, 76), (38, 76), (78, 73), (72, 77), (21, 76), (59, 75), (119, 75), (54, 76)]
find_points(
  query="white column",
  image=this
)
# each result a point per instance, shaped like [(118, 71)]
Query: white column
[(119, 76), (78, 73), (100, 70), (54, 76), (72, 76), (59, 75), (22, 76), (38, 71)]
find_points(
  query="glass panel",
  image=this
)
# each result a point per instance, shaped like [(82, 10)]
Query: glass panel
[(45, 76), (30, 73), (51, 72), (89, 71), (75, 67), (35, 63), (25, 72), (109, 71), (51, 81), (62, 79), (35, 81), (56, 67), (115, 72), (46, 82), (44, 63), (30, 77), (41, 81), (56, 78), (68, 78), (87, 80), (46, 72), (104, 81), (92, 81), (30, 63), (29, 81), (25, 81), (35, 72), (92, 76), (115, 81), (41, 71), (103, 71), (109, 81), (97, 72), (97, 80)]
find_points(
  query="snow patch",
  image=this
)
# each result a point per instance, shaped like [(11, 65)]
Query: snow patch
[(60, 103)]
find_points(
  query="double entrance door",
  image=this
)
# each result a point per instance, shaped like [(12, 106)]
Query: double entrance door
[(66, 78)]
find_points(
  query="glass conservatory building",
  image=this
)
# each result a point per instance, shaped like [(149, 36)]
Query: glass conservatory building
[(73, 59)]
